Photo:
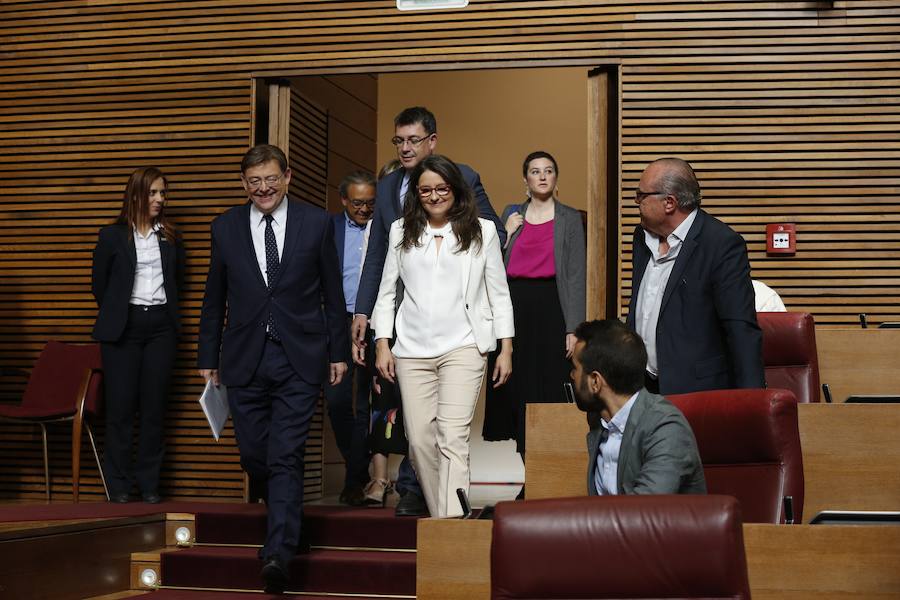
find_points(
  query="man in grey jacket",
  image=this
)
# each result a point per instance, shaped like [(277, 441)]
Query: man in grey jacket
[(641, 444)]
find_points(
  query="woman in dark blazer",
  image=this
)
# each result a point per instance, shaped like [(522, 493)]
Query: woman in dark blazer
[(137, 273), (545, 265)]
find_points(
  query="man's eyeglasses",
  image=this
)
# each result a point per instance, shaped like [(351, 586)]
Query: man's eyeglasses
[(413, 140), (271, 180), (361, 203), (441, 190), (639, 195)]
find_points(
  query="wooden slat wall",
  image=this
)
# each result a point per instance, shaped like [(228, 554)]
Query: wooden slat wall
[(351, 101), (308, 159), (789, 110), (348, 105), (67, 150)]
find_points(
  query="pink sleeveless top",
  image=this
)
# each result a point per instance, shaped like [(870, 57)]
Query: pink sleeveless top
[(532, 253)]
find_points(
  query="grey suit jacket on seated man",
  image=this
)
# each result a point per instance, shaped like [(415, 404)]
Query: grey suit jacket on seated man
[(658, 454)]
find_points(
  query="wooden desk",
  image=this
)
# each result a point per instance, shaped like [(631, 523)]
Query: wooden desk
[(556, 461), (859, 361), (784, 562), (851, 455)]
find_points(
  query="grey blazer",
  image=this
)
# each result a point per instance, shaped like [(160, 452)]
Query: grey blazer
[(658, 454), (568, 258)]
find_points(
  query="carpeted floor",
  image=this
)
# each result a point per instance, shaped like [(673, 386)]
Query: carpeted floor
[(359, 551)]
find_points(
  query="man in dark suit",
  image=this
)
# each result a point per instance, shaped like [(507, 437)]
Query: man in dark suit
[(274, 266), (692, 298), (349, 411), (642, 444), (415, 137)]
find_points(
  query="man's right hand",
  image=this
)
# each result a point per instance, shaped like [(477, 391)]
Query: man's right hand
[(358, 335), (208, 374)]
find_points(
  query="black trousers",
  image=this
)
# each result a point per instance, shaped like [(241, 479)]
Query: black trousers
[(136, 374), (272, 415), (348, 410)]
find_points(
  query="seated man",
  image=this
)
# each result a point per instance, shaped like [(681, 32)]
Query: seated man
[(641, 444)]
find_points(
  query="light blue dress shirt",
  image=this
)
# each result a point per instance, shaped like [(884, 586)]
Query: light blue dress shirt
[(354, 239), (607, 467)]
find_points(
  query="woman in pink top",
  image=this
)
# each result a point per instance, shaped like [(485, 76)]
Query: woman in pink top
[(545, 267)]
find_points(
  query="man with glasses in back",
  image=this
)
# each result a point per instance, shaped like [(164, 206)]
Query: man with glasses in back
[(273, 270), (692, 300), (415, 137), (349, 412)]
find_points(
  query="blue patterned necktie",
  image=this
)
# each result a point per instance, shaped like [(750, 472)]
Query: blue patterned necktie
[(272, 264)]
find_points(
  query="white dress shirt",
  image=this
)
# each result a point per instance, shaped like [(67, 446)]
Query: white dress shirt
[(432, 319), (607, 468), (767, 299), (148, 288), (258, 233), (653, 286)]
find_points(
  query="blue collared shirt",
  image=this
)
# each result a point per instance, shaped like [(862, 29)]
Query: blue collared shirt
[(354, 239), (607, 467)]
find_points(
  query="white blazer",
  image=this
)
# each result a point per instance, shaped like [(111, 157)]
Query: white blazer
[(488, 305)]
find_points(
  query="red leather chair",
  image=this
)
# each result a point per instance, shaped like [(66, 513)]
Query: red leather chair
[(66, 384), (789, 353), (619, 547), (749, 445)]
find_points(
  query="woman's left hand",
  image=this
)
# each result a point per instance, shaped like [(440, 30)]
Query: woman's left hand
[(571, 340), (502, 368)]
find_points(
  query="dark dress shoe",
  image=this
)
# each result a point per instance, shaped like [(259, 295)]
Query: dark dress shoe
[(152, 498), (274, 575), (120, 498), (352, 496), (411, 505)]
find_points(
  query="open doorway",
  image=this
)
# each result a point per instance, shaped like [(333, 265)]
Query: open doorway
[(490, 119)]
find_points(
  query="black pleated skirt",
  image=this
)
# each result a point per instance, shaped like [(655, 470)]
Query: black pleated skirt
[(540, 366)]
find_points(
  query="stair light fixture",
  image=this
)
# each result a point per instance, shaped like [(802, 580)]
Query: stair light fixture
[(149, 578), (183, 536)]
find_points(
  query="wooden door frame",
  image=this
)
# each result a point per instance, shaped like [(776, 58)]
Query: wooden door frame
[(603, 150)]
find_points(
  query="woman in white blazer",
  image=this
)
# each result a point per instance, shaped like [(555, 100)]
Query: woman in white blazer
[(455, 306)]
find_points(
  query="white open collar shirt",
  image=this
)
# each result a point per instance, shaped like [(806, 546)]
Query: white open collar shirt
[(432, 318), (148, 288), (653, 286)]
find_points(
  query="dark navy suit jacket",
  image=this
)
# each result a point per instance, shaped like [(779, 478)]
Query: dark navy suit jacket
[(308, 279), (707, 336), (387, 210), (112, 278)]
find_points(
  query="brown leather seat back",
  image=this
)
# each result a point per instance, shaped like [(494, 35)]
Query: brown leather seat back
[(749, 443), (789, 353), (619, 547)]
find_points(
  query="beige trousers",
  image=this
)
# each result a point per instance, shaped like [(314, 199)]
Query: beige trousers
[(439, 398)]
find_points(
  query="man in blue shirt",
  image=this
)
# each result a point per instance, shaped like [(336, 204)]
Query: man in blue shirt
[(351, 425)]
